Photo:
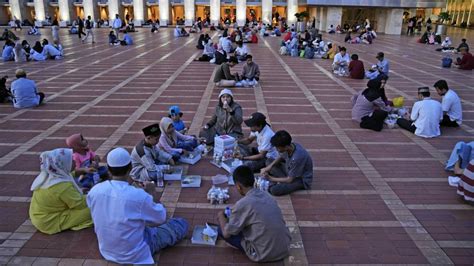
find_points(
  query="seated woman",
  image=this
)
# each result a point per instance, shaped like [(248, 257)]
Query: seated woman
[(460, 157), (127, 39), (184, 33), (208, 52), (201, 43), (331, 51), (36, 53), (20, 54), (113, 39), (368, 107), (177, 32), (57, 203), (174, 142), (226, 120), (34, 31)]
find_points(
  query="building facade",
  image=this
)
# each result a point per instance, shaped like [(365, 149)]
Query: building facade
[(385, 15)]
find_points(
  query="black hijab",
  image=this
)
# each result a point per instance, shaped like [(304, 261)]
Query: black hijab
[(38, 47), (373, 92)]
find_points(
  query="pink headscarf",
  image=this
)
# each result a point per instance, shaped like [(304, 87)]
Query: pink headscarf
[(75, 142)]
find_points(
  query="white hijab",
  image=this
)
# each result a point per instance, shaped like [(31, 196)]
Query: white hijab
[(55, 168)]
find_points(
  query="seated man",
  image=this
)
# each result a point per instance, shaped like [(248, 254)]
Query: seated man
[(54, 51), (8, 53), (256, 224), (241, 51), (177, 32), (341, 62), (425, 117), (250, 73), (461, 155), (265, 153), (292, 170), (147, 159), (383, 65), (24, 91), (356, 68), (451, 104), (372, 73), (127, 39), (223, 76), (467, 60), (129, 222), (463, 44)]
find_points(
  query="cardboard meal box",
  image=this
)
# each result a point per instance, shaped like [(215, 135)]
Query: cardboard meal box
[(196, 156), (191, 181), (175, 174), (199, 238)]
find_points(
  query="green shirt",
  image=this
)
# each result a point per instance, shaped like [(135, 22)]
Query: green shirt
[(58, 208)]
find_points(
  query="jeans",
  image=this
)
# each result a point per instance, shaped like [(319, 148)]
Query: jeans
[(234, 241), (280, 189), (167, 234)]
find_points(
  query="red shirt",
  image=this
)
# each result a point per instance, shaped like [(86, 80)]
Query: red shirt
[(467, 62), (254, 38), (287, 36), (356, 69)]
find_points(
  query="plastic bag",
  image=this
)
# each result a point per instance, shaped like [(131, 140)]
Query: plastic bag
[(398, 101)]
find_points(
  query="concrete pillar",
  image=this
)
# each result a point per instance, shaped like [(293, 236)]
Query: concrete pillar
[(164, 12), (322, 19), (470, 13), (267, 11), (139, 9), (189, 12), (241, 6), (18, 9), (91, 9), (394, 21), (381, 18), (65, 10), (215, 6), (115, 7), (40, 10), (292, 9), (334, 16)]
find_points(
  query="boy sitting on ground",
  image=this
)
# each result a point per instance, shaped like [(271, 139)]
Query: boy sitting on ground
[(265, 153), (147, 159), (256, 224), (223, 77), (250, 73), (292, 170), (176, 114)]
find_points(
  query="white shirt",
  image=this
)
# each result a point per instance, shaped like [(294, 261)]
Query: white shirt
[(226, 45), (263, 142), (338, 58), (427, 114), (451, 104), (120, 212), (241, 50)]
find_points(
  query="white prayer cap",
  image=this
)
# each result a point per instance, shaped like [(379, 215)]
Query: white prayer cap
[(226, 91), (118, 157)]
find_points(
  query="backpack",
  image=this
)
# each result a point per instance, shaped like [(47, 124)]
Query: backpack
[(446, 62)]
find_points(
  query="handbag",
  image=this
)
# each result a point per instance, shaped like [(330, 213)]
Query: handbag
[(446, 62)]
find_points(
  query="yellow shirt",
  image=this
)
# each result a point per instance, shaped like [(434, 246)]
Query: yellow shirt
[(58, 208)]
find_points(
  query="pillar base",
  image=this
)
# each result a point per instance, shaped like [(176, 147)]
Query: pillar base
[(188, 22), (164, 23)]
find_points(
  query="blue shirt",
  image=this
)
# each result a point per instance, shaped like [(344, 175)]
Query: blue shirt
[(128, 40), (384, 65), (120, 213), (7, 53), (178, 125), (24, 93)]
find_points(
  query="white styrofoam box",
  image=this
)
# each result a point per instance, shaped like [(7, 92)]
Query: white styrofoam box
[(224, 140), (175, 175)]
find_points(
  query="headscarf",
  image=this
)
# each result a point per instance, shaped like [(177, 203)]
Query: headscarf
[(55, 168), (38, 47), (171, 139), (373, 90), (75, 142)]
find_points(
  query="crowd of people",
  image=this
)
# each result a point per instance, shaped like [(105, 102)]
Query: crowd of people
[(75, 190)]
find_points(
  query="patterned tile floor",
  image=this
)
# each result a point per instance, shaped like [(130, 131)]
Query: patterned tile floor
[(377, 198)]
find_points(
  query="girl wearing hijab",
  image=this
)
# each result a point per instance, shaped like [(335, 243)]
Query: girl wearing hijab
[(173, 142), (20, 54), (368, 107), (200, 44), (226, 120), (57, 203), (37, 53), (86, 161)]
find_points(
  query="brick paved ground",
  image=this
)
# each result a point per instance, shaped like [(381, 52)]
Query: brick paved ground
[(376, 197)]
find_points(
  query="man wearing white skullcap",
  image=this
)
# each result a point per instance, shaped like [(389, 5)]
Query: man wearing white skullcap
[(121, 213)]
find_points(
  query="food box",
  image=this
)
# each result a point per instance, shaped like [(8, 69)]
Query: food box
[(191, 181), (192, 157), (175, 174), (230, 165), (198, 237)]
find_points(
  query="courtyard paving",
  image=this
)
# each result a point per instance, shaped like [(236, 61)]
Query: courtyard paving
[(377, 198)]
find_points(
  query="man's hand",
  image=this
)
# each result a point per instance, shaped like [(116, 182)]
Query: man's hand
[(150, 187), (265, 170), (90, 170), (240, 157)]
